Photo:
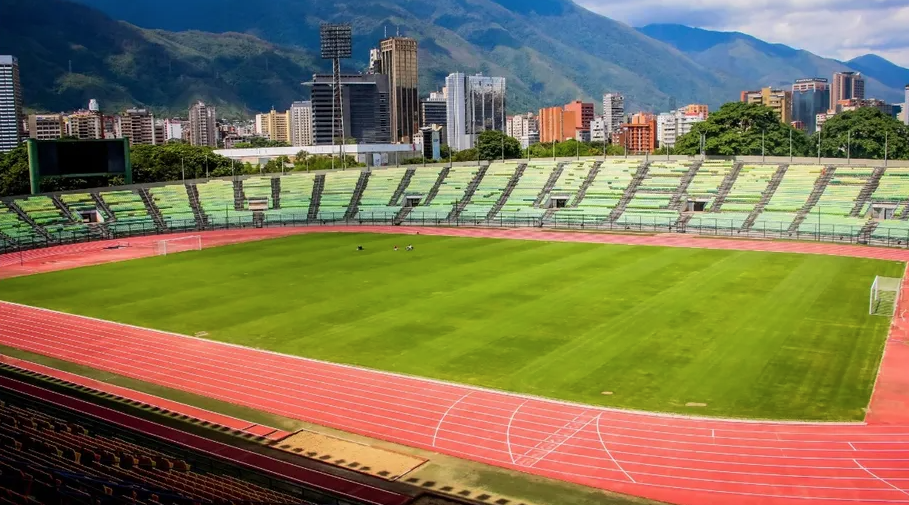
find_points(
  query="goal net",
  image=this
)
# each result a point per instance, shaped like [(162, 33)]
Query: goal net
[(884, 292), (180, 244)]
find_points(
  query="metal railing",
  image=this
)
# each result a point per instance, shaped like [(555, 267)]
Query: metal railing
[(708, 226)]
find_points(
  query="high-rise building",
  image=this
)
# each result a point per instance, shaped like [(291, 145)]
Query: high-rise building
[(856, 103), (613, 113), (846, 86), (557, 124), (138, 125), (639, 136), (365, 105), (696, 109), (85, 125), (301, 123), (93, 105), (434, 111), (906, 107), (777, 99), (203, 125), (46, 126), (476, 103), (598, 130), (810, 97), (10, 103), (583, 114), (274, 126), (520, 125), (399, 63)]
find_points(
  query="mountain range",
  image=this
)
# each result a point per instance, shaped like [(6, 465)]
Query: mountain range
[(248, 56)]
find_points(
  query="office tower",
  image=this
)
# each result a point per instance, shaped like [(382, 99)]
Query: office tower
[(10, 103), (138, 125), (274, 126), (399, 63), (85, 125), (203, 127), (301, 123), (434, 111), (365, 105), (672, 125), (94, 106), (583, 114), (810, 97), (778, 100), (598, 130), (557, 124), (613, 113), (476, 103), (846, 86), (46, 126)]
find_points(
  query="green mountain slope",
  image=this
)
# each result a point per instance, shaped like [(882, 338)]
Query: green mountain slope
[(551, 51), (122, 65), (758, 63)]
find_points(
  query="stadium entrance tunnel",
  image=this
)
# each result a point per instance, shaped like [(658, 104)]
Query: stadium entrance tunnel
[(697, 206), (412, 201), (558, 202)]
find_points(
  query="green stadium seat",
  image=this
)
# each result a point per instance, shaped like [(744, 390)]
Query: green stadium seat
[(173, 203)]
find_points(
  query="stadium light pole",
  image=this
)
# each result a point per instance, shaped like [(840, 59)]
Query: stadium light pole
[(886, 146), (206, 166), (183, 169), (849, 147), (790, 144), (763, 152)]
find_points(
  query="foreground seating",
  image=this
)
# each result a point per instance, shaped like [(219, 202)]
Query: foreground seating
[(129, 211)]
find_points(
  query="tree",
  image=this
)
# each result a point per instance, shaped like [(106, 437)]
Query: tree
[(256, 142), (741, 129), (171, 162), (863, 134), (495, 145), (567, 149), (14, 172)]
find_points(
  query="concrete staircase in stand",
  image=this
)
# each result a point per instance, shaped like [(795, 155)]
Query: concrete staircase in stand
[(726, 186), (550, 183), (153, 210), (518, 172), (317, 186), (402, 186), (239, 196), (201, 218), (629, 192), (865, 195), (435, 187), (354, 206), (468, 193), (819, 186), (682, 191), (25, 217), (765, 197), (276, 192)]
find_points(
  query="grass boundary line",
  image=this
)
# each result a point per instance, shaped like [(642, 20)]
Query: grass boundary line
[(524, 396)]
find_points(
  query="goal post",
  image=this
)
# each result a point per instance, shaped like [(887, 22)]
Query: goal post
[(179, 244), (883, 296)]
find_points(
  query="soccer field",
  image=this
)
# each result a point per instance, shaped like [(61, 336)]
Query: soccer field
[(743, 334)]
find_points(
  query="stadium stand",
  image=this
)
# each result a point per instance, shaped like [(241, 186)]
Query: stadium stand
[(520, 203), (129, 212), (217, 200), (451, 193), (491, 188), (336, 196), (745, 194), (650, 204), (788, 199), (831, 214), (172, 202), (42, 210), (381, 186), (295, 198), (570, 181), (257, 188), (78, 203), (15, 229), (706, 183), (421, 182), (894, 190), (603, 195)]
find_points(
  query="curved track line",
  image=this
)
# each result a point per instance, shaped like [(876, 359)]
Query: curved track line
[(600, 436), (436, 434)]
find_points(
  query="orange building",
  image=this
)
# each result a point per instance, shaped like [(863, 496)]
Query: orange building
[(697, 109), (639, 136), (557, 124), (583, 114)]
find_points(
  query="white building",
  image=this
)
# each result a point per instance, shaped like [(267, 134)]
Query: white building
[(93, 105), (672, 125), (520, 125), (173, 129), (476, 103), (613, 113), (301, 124), (203, 128), (530, 139), (598, 129), (10, 103)]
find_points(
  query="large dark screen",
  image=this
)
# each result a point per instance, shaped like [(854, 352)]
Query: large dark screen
[(86, 157)]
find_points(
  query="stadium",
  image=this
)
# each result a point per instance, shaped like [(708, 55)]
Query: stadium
[(613, 330)]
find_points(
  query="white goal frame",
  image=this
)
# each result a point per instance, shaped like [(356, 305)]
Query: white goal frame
[(179, 244), (883, 285)]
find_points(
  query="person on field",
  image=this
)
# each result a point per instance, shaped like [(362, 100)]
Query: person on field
[(410, 247), (396, 248), (359, 248)]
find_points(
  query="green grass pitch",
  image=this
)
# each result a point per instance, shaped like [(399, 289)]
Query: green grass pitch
[(749, 334)]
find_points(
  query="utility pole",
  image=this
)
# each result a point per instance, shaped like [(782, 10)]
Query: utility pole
[(849, 147), (790, 145), (763, 153), (183, 169)]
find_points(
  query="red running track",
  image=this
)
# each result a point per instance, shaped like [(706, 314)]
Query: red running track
[(674, 459)]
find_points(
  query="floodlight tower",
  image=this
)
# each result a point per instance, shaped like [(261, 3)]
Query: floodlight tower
[(336, 44)]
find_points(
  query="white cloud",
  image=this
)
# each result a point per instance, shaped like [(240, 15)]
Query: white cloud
[(839, 29)]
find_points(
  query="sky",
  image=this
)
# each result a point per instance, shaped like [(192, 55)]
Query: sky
[(841, 29)]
